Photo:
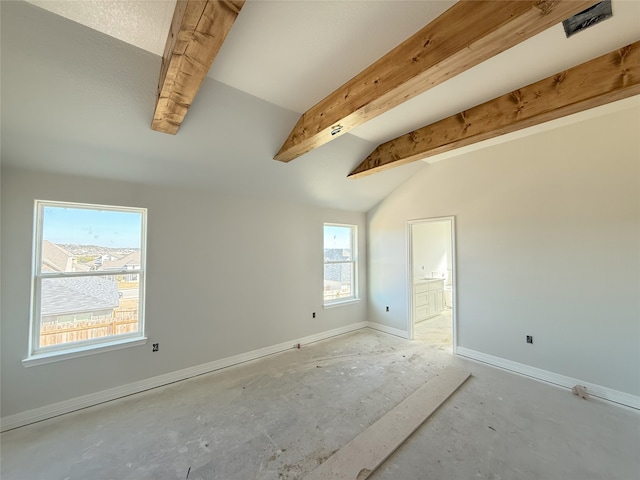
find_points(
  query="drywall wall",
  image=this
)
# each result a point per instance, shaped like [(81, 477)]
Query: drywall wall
[(103, 93), (431, 248), (226, 275), (547, 243)]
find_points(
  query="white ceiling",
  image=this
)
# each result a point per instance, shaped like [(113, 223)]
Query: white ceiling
[(143, 23), (294, 53), (290, 54)]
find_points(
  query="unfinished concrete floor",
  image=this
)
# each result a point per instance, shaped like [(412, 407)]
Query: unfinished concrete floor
[(281, 416), (436, 331)]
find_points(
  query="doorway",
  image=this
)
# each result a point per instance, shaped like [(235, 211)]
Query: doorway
[(432, 281)]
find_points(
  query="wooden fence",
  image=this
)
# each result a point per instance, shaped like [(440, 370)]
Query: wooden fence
[(122, 321)]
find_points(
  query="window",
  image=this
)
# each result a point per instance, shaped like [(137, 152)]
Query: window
[(340, 263), (88, 279)]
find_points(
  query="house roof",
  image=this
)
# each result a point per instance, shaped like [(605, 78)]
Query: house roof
[(278, 60), (55, 258), (131, 259), (64, 296), (82, 267)]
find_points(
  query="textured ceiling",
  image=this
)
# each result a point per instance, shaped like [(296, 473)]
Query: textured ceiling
[(79, 102), (89, 92), (143, 23), (294, 53)]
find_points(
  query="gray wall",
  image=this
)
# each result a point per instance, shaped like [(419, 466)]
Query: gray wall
[(226, 275), (548, 244), (431, 248)]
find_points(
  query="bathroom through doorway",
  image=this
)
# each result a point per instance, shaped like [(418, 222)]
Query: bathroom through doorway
[(432, 292)]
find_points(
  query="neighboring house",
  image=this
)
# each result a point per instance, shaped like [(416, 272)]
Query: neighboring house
[(131, 261), (55, 258), (337, 254), (78, 299), (73, 299), (103, 258), (336, 276)]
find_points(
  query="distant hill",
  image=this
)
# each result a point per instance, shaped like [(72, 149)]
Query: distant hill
[(89, 250)]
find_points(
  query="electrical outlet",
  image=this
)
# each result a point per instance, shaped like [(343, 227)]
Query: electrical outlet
[(387, 309), (529, 339), (313, 314), (155, 347)]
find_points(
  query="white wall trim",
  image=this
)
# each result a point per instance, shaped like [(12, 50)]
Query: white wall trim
[(49, 411), (341, 303), (83, 351), (599, 391), (390, 330), (67, 406)]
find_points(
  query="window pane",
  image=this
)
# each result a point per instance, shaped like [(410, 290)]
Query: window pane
[(338, 280), (339, 262), (102, 247), (83, 239), (337, 243), (84, 308)]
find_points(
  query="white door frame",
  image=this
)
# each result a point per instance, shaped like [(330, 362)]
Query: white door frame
[(454, 279)]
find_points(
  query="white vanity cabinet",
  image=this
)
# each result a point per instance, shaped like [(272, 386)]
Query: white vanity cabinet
[(428, 298)]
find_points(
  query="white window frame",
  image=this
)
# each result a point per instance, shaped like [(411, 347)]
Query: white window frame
[(354, 261), (40, 355)]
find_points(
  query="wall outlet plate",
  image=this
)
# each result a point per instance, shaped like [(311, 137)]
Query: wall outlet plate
[(155, 347), (529, 339)]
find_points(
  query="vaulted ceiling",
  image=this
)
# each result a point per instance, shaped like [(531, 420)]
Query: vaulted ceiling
[(81, 77)]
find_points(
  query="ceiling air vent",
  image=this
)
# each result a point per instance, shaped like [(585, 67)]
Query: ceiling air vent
[(588, 18)]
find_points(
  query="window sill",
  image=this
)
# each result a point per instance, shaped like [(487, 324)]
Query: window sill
[(341, 303), (83, 351)]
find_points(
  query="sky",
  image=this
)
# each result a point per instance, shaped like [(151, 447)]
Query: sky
[(337, 237), (80, 226)]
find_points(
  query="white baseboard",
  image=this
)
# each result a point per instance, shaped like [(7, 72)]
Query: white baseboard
[(49, 411), (390, 330), (599, 391), (67, 406)]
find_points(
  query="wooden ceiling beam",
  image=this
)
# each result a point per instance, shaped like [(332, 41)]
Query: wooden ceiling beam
[(467, 34), (608, 78), (198, 30)]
